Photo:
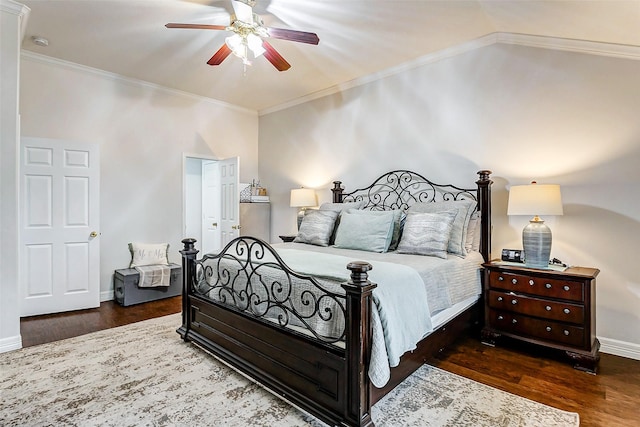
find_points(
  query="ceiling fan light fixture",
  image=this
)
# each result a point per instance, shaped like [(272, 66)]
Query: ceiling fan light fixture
[(255, 44), (237, 46), (250, 34)]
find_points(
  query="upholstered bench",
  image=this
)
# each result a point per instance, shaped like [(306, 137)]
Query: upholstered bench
[(126, 290)]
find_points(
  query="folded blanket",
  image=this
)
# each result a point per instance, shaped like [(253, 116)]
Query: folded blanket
[(154, 276)]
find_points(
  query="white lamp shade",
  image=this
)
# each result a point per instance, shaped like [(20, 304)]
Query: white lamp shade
[(303, 198), (535, 199)]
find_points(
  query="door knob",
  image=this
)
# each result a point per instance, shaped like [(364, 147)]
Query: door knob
[(235, 227), (214, 225), (94, 234)]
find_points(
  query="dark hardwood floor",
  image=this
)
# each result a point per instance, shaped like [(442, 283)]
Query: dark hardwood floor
[(53, 327), (611, 398)]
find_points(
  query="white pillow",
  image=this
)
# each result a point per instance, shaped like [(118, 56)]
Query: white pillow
[(148, 254)]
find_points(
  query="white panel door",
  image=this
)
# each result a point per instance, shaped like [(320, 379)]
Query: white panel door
[(60, 249), (210, 206), (230, 199)]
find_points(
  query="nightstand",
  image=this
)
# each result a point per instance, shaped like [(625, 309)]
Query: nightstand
[(552, 308), (287, 238)]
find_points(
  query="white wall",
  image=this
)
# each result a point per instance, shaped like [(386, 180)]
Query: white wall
[(524, 113), (142, 132)]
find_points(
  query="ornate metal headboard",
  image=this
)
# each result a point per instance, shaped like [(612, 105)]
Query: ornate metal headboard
[(400, 189)]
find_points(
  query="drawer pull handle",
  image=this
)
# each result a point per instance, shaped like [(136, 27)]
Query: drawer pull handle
[(500, 318), (548, 328), (566, 311), (514, 301), (548, 286), (566, 332), (514, 321), (531, 282), (566, 288), (500, 278), (548, 308), (499, 298), (514, 281)]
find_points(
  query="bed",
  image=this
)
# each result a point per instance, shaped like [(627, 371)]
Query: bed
[(305, 320)]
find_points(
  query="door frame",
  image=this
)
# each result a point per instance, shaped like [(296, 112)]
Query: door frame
[(186, 156)]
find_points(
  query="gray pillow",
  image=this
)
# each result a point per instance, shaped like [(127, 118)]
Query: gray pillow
[(463, 208), (316, 227), (365, 232), (471, 232), (427, 233), (398, 216), (341, 206)]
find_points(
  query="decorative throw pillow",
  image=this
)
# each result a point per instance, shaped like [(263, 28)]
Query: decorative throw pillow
[(427, 233), (316, 227), (366, 232), (148, 254), (398, 217), (464, 209)]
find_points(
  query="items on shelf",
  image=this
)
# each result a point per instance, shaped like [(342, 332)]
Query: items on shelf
[(253, 193)]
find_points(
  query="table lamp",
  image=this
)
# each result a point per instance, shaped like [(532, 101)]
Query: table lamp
[(535, 199), (302, 198)]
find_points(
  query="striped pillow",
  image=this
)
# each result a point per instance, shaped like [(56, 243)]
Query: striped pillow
[(463, 209), (317, 227), (427, 233)]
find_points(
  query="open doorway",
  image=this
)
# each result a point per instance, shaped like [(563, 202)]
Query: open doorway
[(211, 199)]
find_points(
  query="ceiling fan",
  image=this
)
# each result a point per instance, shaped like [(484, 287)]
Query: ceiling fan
[(249, 34)]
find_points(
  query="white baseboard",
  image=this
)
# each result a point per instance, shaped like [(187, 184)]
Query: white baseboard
[(10, 343), (106, 295), (619, 348)]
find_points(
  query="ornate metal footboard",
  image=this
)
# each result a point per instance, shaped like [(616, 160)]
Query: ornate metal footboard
[(247, 307), (250, 277)]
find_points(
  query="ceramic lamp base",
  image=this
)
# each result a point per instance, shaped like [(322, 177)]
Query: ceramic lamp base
[(536, 241)]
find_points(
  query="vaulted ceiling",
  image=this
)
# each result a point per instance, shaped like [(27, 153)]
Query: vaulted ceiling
[(357, 38)]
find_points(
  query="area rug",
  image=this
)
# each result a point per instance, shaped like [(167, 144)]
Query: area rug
[(143, 374)]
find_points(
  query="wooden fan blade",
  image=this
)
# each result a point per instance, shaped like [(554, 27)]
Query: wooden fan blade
[(220, 55), (196, 26), (274, 57), (293, 35)]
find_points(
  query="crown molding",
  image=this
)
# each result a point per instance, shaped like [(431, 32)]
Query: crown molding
[(18, 9), (615, 50), (13, 7), (44, 59), (542, 42)]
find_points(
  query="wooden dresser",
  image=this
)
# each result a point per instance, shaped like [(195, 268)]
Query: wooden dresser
[(546, 307)]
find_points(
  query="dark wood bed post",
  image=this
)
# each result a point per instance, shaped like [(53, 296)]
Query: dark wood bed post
[(358, 344), (188, 273), (337, 191), (484, 204)]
